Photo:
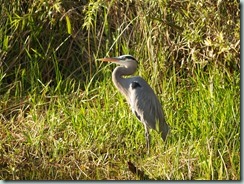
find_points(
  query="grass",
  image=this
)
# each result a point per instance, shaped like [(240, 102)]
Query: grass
[(62, 118)]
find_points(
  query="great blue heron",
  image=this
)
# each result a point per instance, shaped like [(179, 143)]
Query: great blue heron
[(141, 97)]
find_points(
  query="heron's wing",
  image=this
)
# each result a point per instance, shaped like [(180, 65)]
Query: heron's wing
[(146, 105)]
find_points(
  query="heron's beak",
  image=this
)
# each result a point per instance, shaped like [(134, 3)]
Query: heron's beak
[(112, 59)]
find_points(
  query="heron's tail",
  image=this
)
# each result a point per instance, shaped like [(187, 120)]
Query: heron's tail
[(164, 130)]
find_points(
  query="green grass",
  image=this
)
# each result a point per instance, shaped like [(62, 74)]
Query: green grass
[(62, 118)]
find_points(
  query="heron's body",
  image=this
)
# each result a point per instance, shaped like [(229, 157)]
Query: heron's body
[(141, 97)]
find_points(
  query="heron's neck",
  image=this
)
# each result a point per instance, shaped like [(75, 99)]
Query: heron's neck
[(121, 83)]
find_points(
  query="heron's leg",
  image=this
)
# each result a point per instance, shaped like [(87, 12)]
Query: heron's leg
[(147, 136)]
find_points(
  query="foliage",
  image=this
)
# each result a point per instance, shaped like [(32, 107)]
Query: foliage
[(61, 118)]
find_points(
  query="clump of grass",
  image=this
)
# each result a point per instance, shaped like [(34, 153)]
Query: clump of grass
[(62, 118)]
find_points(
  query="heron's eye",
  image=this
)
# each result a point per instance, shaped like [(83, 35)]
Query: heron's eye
[(121, 58)]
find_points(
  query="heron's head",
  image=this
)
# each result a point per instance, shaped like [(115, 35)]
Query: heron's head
[(125, 60)]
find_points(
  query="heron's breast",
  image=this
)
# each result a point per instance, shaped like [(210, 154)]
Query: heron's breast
[(134, 85)]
